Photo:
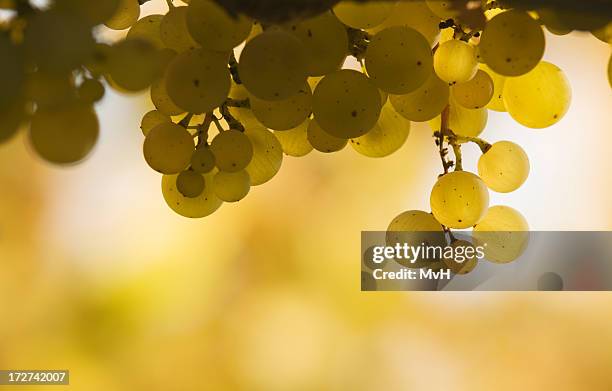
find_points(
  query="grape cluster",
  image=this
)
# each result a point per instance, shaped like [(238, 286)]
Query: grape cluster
[(233, 94)]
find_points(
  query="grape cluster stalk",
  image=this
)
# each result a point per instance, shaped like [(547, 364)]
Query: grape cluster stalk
[(238, 87)]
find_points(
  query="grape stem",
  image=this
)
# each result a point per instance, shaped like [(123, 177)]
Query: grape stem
[(230, 119), (170, 4), (233, 67), (202, 132), (447, 164), (242, 103), (359, 41), (186, 120), (218, 124)]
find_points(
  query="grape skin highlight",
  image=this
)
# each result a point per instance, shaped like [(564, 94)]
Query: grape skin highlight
[(455, 62), (504, 167)]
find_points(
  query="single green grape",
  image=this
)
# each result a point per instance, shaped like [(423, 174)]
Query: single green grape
[(364, 15), (64, 135), (387, 136), (148, 29), (267, 155), (499, 81), (198, 80), (233, 150), (273, 65), (416, 15), (399, 60), (295, 141), (504, 167), (125, 16), (232, 186), (325, 40), (203, 205), (463, 122), (540, 98), (476, 93), (91, 91), (504, 233), (283, 114), (455, 62), (151, 119), (174, 32), (190, 184), (168, 148), (512, 43), (424, 104), (346, 104), (459, 200), (203, 160), (323, 141), (134, 64), (213, 28)]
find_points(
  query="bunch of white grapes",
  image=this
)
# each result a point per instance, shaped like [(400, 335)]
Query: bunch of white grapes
[(234, 95)]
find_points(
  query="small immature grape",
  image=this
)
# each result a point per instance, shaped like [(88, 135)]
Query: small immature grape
[(323, 141), (540, 98), (459, 200), (233, 150), (504, 167), (267, 155), (213, 28), (190, 184), (91, 91), (512, 43), (387, 136), (283, 114), (346, 104), (455, 62), (173, 30), (152, 119), (273, 65), (476, 93), (148, 29), (201, 206), (232, 186), (364, 15), (125, 16), (399, 60), (64, 135), (325, 40), (168, 148), (505, 233), (203, 160), (424, 104), (499, 81), (198, 80), (295, 141)]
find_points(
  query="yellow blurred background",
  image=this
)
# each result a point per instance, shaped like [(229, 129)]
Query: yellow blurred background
[(99, 277)]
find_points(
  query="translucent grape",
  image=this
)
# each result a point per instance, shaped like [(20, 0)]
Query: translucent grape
[(444, 9), (161, 100), (415, 228), (346, 104), (168, 148), (212, 27), (198, 81), (505, 233), (273, 65), (125, 16), (173, 30), (233, 150), (284, 114), (540, 98), (455, 62), (505, 167), (387, 136), (148, 29), (462, 121), (512, 43), (424, 104), (462, 264), (203, 205), (203, 160), (499, 81), (399, 60), (152, 119), (134, 64), (232, 186), (365, 15), (267, 155), (416, 15), (459, 200), (91, 91), (295, 141), (323, 141), (64, 135), (49, 90), (325, 40), (190, 184), (476, 93)]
